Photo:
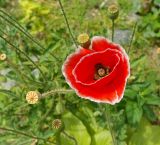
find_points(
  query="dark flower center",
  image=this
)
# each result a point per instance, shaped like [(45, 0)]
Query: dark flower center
[(101, 71)]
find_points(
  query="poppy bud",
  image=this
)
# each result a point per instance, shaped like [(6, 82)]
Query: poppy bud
[(84, 40), (3, 56), (57, 123), (113, 11), (32, 97)]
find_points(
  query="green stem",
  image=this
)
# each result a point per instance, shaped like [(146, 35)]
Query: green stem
[(23, 133), (56, 91), (112, 30), (58, 139), (21, 29), (70, 137), (66, 20), (133, 33), (24, 55), (108, 119), (23, 76), (90, 130)]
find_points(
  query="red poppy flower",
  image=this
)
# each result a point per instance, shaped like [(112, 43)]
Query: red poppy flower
[(99, 73)]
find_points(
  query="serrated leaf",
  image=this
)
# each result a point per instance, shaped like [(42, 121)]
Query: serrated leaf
[(134, 112)]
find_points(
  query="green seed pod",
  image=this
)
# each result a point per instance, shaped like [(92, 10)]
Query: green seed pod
[(113, 11), (84, 40)]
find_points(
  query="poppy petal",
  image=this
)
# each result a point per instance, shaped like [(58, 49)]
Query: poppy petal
[(85, 69), (79, 71), (71, 62), (106, 94), (100, 43), (121, 79)]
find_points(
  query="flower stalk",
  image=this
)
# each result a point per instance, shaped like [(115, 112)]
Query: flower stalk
[(62, 91), (9, 19), (113, 12), (67, 23), (24, 55), (24, 134), (133, 33), (107, 116), (113, 30)]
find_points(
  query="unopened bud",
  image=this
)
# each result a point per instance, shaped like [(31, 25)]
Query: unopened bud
[(113, 11), (84, 40)]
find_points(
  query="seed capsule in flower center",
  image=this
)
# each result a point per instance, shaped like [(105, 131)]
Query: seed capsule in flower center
[(100, 71)]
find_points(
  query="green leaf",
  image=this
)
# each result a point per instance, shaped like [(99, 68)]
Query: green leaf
[(138, 61), (75, 128), (149, 113), (134, 112), (131, 94), (153, 100), (103, 138)]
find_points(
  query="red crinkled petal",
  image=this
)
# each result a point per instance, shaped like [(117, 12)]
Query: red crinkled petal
[(121, 79), (105, 94), (71, 62), (79, 67), (85, 69), (100, 43)]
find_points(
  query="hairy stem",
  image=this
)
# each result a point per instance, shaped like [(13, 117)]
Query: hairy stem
[(63, 91), (66, 20)]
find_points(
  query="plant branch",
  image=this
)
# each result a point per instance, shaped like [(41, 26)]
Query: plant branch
[(13, 22), (24, 55), (132, 36), (23, 133), (108, 119), (63, 91), (70, 137), (66, 20)]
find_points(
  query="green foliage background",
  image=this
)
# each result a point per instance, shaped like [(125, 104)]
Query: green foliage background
[(135, 120)]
